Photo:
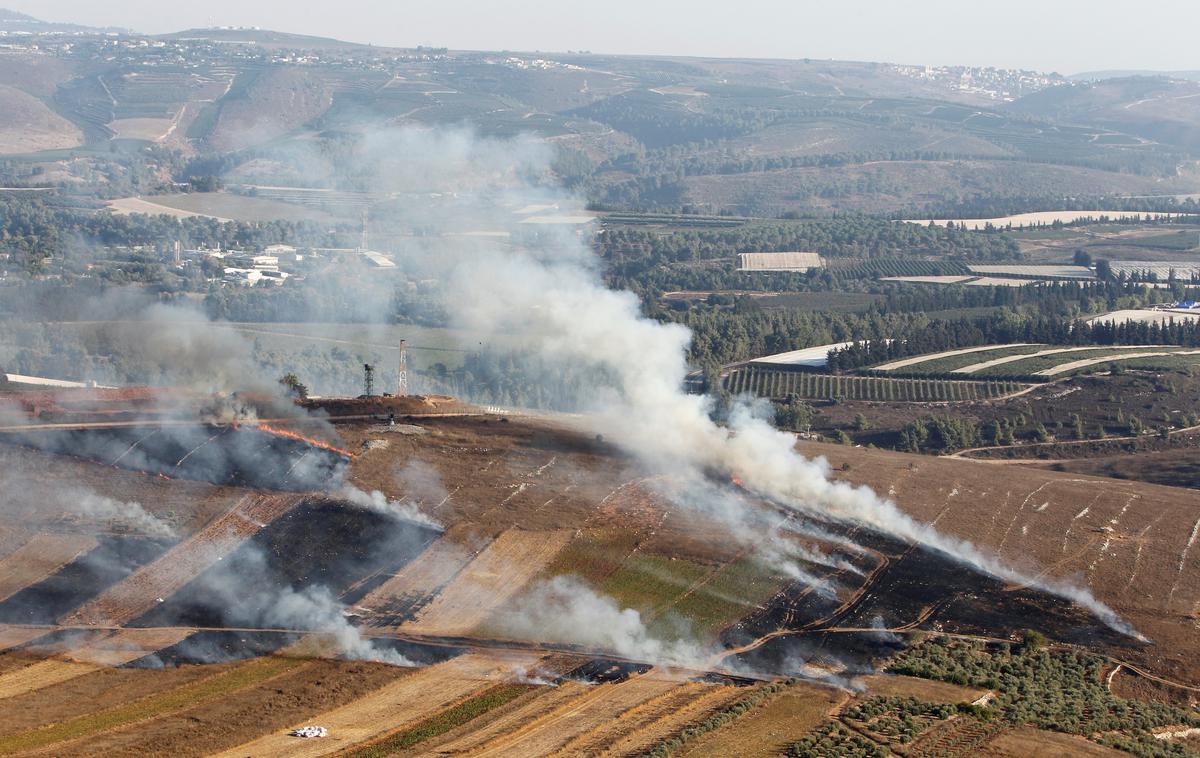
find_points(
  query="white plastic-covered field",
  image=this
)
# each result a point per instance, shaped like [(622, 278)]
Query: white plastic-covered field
[(1144, 316), (1057, 271), (794, 261), (809, 356), (942, 279), (1162, 269), (1043, 218)]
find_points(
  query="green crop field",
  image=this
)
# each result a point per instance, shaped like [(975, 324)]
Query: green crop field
[(1030, 366), (955, 362), (775, 383)]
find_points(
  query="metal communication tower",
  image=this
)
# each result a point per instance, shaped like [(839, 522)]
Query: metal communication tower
[(368, 379), (402, 380)]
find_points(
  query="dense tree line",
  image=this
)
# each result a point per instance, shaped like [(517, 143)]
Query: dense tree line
[(632, 252)]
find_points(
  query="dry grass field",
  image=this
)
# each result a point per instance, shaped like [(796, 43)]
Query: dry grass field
[(30, 126)]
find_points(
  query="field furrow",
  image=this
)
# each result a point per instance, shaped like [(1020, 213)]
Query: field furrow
[(494, 577), (560, 696), (40, 557), (401, 703), (581, 718), (142, 589), (688, 705)]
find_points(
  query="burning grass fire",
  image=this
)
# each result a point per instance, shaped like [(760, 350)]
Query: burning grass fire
[(268, 428)]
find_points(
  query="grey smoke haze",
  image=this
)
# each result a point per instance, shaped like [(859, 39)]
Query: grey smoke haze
[(1068, 35)]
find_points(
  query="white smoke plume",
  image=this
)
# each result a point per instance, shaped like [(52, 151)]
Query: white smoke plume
[(380, 503), (317, 609), (549, 289), (565, 609), (95, 506)]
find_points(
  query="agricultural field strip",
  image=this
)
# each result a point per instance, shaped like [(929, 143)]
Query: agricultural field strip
[(126, 645), (434, 568), (12, 636), (130, 205), (776, 383), (1040, 218), (649, 714), (905, 362), (404, 702), (1063, 271), (495, 576), (933, 279), (1108, 358), (141, 590), (581, 710), (556, 698), (40, 557), (107, 716), (974, 367), (1143, 315), (779, 261), (40, 675), (650, 734)]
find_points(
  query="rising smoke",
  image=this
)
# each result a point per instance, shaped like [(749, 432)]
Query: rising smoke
[(548, 287), (543, 282)]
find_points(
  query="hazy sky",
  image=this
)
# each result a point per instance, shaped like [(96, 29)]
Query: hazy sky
[(1060, 35)]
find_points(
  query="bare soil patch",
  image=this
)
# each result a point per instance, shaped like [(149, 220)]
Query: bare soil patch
[(1027, 742)]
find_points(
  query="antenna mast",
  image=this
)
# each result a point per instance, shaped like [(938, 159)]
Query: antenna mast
[(368, 379), (402, 380)]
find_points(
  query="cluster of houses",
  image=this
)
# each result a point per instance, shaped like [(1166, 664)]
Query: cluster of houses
[(275, 264)]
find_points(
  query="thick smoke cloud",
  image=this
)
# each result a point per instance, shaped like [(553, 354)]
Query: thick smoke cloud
[(548, 288)]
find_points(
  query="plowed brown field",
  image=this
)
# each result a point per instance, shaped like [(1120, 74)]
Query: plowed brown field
[(1136, 545)]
